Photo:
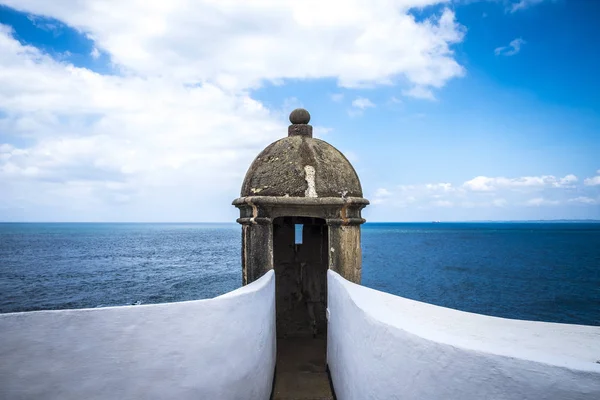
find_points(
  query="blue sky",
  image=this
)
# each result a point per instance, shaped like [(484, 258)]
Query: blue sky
[(449, 110)]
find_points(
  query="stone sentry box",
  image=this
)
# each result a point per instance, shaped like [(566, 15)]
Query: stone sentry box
[(300, 210)]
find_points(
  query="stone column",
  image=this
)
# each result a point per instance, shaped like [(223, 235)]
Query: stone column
[(345, 255), (257, 249)]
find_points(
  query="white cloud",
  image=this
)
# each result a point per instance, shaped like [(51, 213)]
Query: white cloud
[(178, 120), (238, 44), (394, 103), (488, 184), (444, 187), (95, 53), (42, 23), (422, 195), (499, 202), (419, 92), (523, 4), (435, 190), (441, 203), (381, 196), (540, 201), (362, 103), (118, 138), (584, 200), (382, 192), (593, 181), (359, 105), (568, 180), (491, 195), (513, 48)]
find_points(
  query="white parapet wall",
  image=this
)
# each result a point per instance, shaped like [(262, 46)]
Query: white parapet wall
[(221, 348), (382, 346)]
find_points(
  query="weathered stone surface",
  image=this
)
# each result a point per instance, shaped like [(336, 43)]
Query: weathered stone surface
[(292, 165), (299, 116), (301, 181), (335, 210), (345, 254), (300, 177), (257, 251)]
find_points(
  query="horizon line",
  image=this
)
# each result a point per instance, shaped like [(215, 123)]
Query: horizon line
[(234, 222)]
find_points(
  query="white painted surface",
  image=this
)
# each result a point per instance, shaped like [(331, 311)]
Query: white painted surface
[(382, 346), (221, 348), (309, 177)]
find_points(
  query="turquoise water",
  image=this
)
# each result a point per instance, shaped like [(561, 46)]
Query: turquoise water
[(537, 271)]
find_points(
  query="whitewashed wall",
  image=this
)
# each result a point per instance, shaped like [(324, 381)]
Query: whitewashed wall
[(221, 348), (382, 346)]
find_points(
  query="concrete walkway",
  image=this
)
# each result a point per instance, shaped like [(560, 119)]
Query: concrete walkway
[(301, 372)]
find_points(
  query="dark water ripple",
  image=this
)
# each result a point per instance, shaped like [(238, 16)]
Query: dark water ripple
[(546, 272), (56, 266)]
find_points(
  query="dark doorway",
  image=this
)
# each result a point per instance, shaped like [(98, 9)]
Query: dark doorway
[(300, 259)]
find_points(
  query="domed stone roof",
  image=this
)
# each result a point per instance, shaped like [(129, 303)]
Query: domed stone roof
[(301, 166)]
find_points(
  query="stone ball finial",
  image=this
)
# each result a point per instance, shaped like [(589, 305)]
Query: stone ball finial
[(299, 117)]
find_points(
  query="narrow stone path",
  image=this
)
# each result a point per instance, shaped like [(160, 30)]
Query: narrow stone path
[(301, 372)]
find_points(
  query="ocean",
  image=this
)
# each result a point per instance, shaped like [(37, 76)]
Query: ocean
[(536, 271)]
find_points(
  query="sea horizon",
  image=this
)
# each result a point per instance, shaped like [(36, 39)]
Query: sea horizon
[(367, 222), (532, 270)]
